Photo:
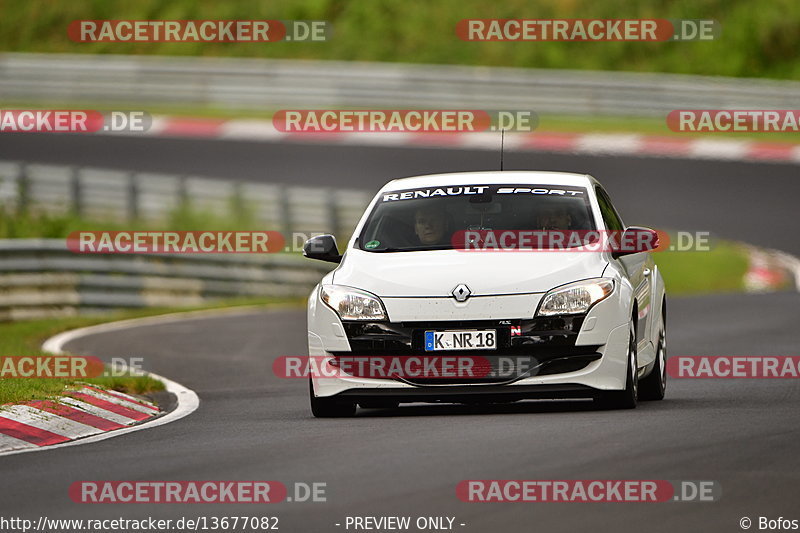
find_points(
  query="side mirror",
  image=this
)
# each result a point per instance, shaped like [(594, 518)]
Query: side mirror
[(322, 247), (635, 239)]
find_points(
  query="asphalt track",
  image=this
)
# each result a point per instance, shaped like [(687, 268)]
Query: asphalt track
[(251, 425)]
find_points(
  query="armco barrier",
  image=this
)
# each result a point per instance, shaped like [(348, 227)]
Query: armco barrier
[(118, 195), (40, 277), (262, 84)]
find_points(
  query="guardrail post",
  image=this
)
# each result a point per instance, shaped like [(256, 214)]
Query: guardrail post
[(183, 193), (333, 212), (133, 197), (76, 191), (238, 204), (286, 211), (23, 189)]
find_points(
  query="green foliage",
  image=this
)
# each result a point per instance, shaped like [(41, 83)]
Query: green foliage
[(759, 39), (46, 225)]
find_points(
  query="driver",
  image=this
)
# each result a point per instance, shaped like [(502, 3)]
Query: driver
[(430, 225), (554, 217)]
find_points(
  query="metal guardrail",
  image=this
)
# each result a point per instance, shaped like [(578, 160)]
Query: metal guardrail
[(41, 277), (259, 84), (119, 195)]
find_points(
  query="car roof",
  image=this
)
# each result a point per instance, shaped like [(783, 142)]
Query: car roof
[(514, 177)]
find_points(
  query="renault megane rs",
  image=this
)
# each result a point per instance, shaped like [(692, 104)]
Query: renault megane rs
[(487, 286)]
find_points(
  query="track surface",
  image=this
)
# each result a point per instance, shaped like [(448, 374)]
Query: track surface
[(251, 425)]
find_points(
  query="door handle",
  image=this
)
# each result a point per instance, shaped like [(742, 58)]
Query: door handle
[(646, 272)]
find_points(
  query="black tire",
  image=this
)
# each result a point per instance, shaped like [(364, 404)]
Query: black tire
[(654, 386), (329, 407), (626, 398)]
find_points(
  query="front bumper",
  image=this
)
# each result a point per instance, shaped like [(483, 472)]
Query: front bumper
[(469, 394), (568, 368)]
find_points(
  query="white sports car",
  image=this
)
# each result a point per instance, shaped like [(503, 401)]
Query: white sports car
[(487, 286)]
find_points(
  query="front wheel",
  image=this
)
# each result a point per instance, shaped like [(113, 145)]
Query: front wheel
[(654, 386), (626, 398), (329, 407)]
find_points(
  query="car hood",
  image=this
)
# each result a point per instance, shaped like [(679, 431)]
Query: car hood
[(437, 273)]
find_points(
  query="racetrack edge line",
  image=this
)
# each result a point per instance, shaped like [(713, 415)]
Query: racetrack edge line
[(187, 399)]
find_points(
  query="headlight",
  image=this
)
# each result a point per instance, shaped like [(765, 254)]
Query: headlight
[(576, 297), (352, 304)]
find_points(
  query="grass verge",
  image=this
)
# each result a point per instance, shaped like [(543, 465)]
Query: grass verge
[(26, 337), (44, 225), (722, 269), (649, 126)]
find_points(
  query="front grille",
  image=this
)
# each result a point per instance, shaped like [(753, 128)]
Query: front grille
[(406, 338), (525, 347)]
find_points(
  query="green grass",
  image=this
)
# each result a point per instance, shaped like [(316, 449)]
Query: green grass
[(720, 270), (649, 126), (25, 338), (14, 225), (759, 39), (239, 216)]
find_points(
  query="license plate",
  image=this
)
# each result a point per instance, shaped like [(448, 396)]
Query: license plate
[(485, 339)]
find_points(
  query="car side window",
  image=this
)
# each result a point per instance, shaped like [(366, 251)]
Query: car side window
[(610, 215)]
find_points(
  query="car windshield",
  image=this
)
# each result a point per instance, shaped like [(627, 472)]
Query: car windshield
[(434, 218)]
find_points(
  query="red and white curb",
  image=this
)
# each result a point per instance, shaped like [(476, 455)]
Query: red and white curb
[(77, 418), (82, 412), (771, 270), (543, 141)]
